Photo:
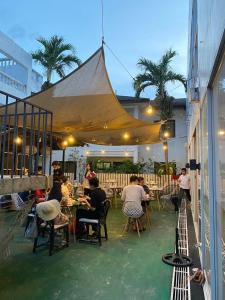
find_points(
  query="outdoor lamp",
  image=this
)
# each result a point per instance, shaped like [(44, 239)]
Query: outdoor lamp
[(18, 140), (165, 147), (103, 151), (147, 148), (126, 154), (87, 152)]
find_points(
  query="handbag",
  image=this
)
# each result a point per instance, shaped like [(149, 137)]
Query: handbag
[(31, 231)]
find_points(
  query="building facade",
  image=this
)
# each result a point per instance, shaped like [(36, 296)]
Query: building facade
[(16, 74), (206, 137), (108, 155)]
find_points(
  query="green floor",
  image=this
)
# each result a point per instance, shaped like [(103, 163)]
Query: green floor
[(125, 267)]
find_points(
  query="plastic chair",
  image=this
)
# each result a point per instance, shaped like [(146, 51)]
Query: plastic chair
[(99, 223), (52, 230)]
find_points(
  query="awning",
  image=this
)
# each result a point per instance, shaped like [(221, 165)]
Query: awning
[(84, 105)]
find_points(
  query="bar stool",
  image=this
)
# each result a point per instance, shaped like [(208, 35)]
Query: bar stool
[(132, 221)]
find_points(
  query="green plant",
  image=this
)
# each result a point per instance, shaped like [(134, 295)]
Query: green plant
[(55, 56), (165, 168), (158, 75)]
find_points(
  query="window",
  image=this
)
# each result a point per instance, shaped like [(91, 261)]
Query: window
[(169, 126), (219, 118)]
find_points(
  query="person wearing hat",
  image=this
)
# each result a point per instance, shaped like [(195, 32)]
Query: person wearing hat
[(51, 210)]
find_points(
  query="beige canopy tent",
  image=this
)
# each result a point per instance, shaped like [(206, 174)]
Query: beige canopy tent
[(84, 105)]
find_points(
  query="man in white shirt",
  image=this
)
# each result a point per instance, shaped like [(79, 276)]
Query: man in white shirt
[(185, 184)]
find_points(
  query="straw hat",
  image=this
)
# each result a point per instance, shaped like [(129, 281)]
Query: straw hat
[(48, 210)]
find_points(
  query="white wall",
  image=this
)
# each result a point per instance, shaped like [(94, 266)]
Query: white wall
[(17, 80), (177, 150)]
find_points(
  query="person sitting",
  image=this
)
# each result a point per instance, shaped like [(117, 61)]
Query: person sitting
[(94, 203), (40, 195), (57, 171), (141, 182), (67, 200), (132, 196)]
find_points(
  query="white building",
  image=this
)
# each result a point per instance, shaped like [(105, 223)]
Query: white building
[(16, 74), (108, 155), (206, 137)]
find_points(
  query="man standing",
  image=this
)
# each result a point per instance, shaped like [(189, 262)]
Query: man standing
[(185, 184)]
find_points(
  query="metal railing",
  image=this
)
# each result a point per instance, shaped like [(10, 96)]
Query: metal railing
[(25, 137)]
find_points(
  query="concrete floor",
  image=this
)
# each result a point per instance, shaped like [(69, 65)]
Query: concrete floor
[(125, 267)]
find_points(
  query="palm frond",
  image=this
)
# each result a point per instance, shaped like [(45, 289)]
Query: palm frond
[(172, 76)]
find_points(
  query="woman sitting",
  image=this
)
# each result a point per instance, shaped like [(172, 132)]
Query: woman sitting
[(66, 191), (132, 196)]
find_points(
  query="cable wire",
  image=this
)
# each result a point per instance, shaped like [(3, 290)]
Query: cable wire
[(119, 61), (102, 8)]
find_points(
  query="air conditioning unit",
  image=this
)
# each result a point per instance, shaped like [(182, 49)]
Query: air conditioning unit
[(194, 94)]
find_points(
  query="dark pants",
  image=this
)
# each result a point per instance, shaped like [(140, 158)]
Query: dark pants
[(185, 192), (176, 202), (88, 214)]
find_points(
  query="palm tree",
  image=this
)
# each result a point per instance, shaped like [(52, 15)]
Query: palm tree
[(54, 57), (158, 75)]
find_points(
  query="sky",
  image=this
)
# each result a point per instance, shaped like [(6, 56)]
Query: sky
[(132, 29)]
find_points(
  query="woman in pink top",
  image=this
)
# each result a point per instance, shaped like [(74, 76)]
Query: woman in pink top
[(89, 172)]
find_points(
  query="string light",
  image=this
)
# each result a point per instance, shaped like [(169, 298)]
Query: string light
[(221, 132), (18, 140), (71, 139), (149, 110), (126, 136), (166, 134), (65, 143)]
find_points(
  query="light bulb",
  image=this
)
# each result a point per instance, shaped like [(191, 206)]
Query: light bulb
[(65, 143), (18, 140), (149, 110), (71, 139), (166, 134), (126, 136)]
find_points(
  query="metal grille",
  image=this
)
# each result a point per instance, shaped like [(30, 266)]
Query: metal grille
[(180, 289), (25, 137)]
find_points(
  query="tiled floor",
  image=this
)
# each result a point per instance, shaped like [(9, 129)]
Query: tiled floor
[(125, 267)]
